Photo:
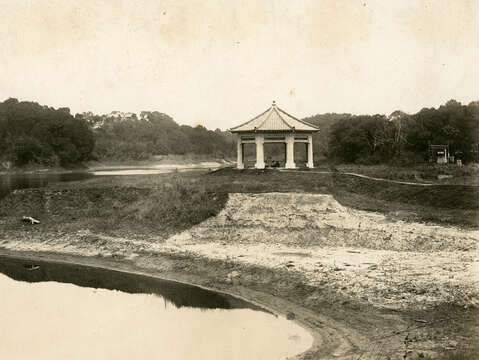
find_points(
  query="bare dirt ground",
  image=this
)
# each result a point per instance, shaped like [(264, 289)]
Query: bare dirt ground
[(361, 252), (365, 285)]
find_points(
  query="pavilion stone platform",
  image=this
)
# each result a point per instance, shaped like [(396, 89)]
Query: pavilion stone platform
[(274, 126)]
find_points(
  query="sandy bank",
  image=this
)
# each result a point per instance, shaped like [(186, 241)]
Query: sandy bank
[(351, 276)]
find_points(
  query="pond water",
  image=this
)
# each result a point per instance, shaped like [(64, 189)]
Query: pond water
[(22, 181), (65, 311), (145, 171), (34, 180)]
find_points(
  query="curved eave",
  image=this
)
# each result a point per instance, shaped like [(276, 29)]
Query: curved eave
[(299, 120), (249, 121), (285, 123), (272, 131)]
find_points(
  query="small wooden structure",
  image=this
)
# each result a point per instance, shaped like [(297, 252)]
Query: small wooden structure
[(274, 126), (439, 154)]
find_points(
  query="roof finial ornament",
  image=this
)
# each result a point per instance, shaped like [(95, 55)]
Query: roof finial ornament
[(274, 103)]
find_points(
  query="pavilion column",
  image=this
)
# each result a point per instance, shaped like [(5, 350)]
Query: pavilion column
[(239, 153), (259, 139), (310, 163), (290, 152)]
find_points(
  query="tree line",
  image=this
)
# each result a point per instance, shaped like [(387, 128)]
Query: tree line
[(32, 133), (122, 136), (399, 138)]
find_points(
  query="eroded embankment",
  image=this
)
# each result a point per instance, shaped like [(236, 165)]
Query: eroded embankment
[(361, 254), (357, 273)]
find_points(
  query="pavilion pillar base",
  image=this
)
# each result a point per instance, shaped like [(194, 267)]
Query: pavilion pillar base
[(290, 166)]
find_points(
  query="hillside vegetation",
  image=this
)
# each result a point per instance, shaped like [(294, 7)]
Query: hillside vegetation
[(400, 138), (121, 136), (31, 133), (34, 134)]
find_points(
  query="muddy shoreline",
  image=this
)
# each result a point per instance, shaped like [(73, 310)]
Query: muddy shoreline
[(170, 161), (128, 266), (341, 329), (367, 279)]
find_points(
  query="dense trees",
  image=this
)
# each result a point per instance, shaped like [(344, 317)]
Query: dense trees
[(453, 124), (321, 139), (400, 138), (31, 133), (125, 136)]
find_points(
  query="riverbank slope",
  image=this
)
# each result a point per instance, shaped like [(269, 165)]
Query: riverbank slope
[(303, 244), (157, 161)]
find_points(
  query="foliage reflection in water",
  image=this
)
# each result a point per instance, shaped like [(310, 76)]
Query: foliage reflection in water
[(12, 182), (115, 315)]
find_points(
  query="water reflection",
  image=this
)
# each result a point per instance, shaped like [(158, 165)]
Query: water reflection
[(24, 181), (140, 171), (178, 294), (51, 320), (12, 182)]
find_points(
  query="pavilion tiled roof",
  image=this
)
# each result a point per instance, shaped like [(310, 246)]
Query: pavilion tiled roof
[(274, 119)]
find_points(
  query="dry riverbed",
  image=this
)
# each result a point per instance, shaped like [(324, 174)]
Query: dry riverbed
[(364, 284)]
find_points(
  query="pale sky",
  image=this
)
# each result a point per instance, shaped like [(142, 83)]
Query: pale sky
[(221, 62)]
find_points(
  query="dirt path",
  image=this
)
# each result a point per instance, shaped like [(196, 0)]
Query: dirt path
[(375, 178), (388, 180), (370, 178)]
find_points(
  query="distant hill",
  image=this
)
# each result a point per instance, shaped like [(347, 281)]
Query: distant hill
[(31, 133), (401, 138), (128, 136)]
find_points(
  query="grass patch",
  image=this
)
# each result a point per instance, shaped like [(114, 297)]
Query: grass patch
[(177, 204), (115, 208), (441, 196), (465, 175), (160, 205), (443, 204)]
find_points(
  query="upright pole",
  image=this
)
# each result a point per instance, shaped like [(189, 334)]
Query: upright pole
[(239, 153), (290, 152), (259, 139), (310, 163)]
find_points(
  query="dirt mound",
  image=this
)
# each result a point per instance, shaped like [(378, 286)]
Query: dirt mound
[(319, 220), (362, 255)]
